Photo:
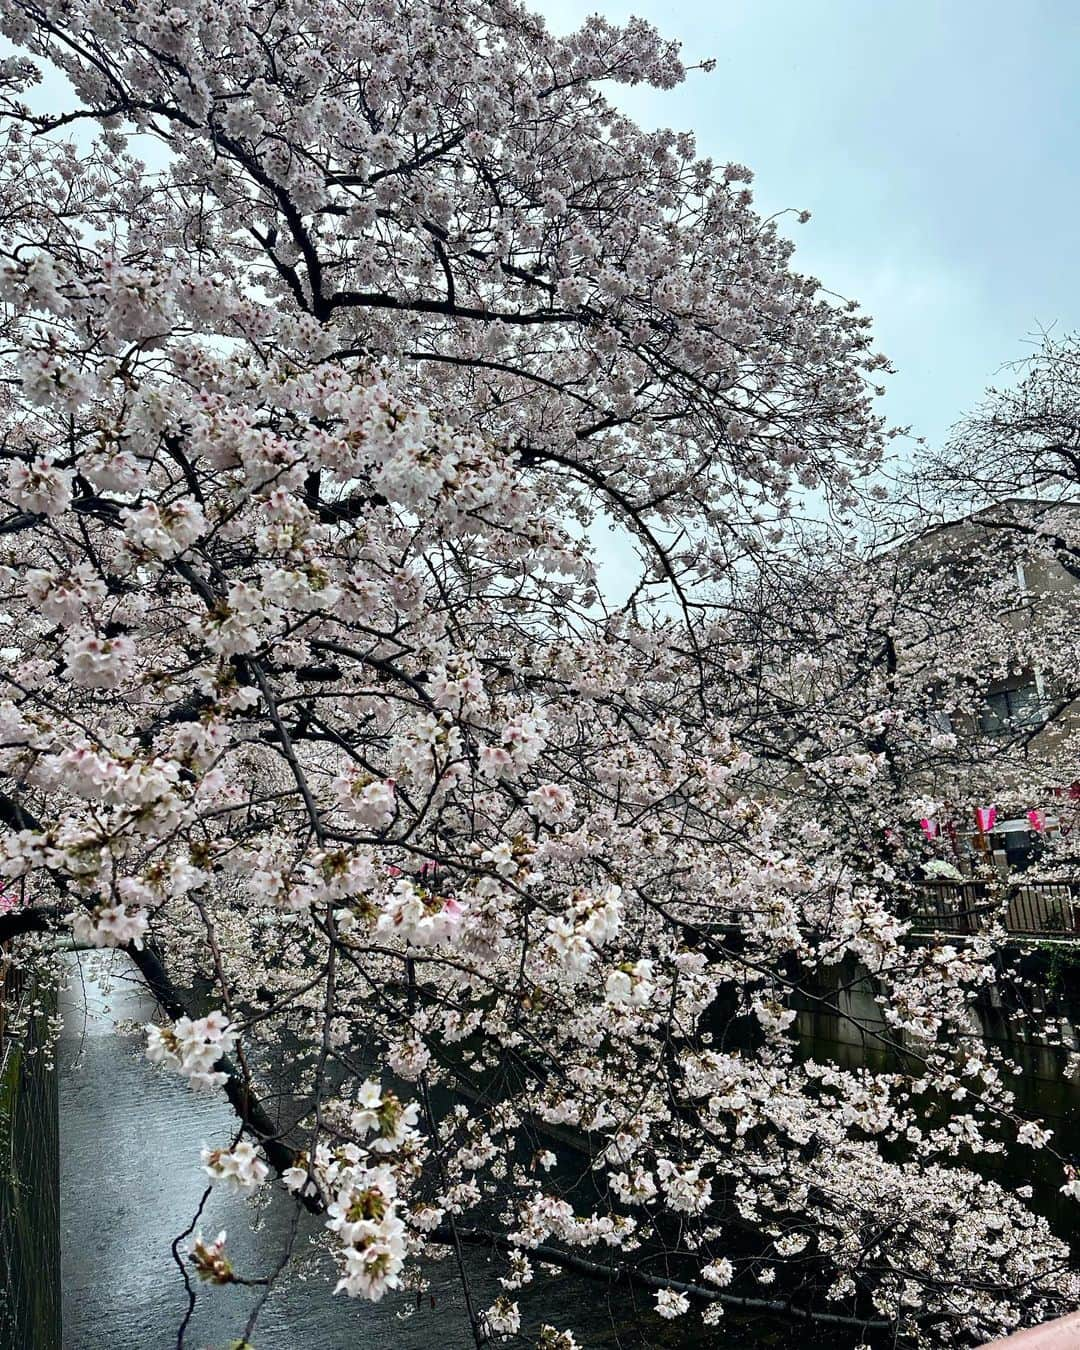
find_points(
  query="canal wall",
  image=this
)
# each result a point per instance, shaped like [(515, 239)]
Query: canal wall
[(29, 1181), (1033, 1021)]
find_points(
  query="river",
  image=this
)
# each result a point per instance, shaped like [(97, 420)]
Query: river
[(130, 1136)]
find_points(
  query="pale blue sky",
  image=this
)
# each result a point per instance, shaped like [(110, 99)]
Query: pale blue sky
[(936, 145)]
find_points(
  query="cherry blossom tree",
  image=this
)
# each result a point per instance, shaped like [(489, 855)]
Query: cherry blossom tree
[(318, 441), (1010, 472)]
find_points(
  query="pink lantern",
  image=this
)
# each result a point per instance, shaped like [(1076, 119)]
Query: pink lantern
[(985, 816), (929, 828), (1037, 821)]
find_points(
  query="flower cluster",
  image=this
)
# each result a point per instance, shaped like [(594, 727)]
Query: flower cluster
[(209, 1259), (630, 985), (670, 1303), (419, 917), (362, 1180), (110, 926), (372, 1236), (192, 1047), (239, 1169), (379, 1112), (502, 1319)]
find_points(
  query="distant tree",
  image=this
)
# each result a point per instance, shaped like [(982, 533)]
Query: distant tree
[(1012, 468)]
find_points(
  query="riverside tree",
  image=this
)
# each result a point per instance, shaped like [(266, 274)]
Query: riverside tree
[(1012, 470), (313, 439)]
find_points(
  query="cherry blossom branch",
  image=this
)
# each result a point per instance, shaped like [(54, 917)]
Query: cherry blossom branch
[(624, 1273)]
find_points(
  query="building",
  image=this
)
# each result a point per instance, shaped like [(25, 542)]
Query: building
[(1003, 582)]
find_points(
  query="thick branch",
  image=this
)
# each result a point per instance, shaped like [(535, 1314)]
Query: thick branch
[(623, 1273), (245, 1103), (35, 920)]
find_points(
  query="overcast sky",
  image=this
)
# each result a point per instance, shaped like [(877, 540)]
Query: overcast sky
[(936, 145)]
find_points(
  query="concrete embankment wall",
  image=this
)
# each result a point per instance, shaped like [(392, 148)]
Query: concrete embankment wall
[(1035, 1022), (29, 1187)]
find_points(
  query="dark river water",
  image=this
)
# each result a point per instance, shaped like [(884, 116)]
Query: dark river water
[(130, 1181)]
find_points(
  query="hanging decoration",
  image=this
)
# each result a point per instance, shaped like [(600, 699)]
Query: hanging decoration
[(985, 818)]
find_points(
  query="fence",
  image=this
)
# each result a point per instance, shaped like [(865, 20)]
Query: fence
[(1038, 908), (29, 1175)]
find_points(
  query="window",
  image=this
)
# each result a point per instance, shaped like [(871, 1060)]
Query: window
[(1020, 847), (940, 719), (1007, 709)]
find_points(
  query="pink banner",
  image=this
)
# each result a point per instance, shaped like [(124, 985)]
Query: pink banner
[(985, 817)]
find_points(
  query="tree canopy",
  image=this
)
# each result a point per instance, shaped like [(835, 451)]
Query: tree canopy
[(344, 343)]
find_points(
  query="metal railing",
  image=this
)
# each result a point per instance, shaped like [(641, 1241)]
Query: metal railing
[(1036, 908)]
